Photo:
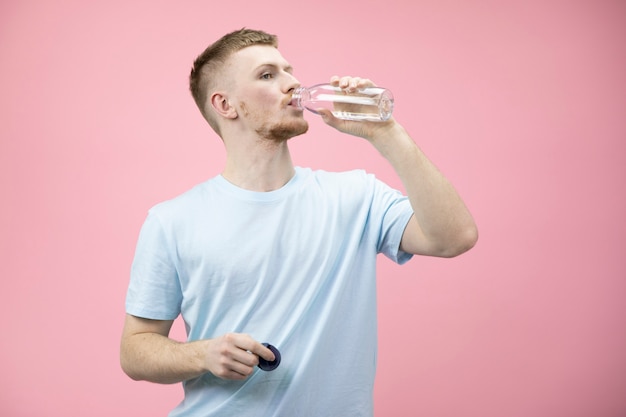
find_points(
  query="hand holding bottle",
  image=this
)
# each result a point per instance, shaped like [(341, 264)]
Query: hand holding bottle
[(365, 127), (347, 98)]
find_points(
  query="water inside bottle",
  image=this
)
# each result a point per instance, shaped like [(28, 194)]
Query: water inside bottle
[(361, 117), (356, 108), (369, 104)]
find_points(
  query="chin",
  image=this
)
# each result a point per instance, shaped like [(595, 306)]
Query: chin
[(284, 131)]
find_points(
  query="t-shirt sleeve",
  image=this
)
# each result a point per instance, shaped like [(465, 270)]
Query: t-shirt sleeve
[(154, 291), (395, 211)]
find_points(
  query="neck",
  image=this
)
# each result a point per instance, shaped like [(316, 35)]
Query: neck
[(265, 167)]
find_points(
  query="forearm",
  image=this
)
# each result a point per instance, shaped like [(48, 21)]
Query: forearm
[(157, 358), (442, 217), (147, 353)]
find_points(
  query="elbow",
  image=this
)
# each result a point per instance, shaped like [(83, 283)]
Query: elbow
[(127, 369), (131, 373), (128, 366), (463, 242), (467, 240)]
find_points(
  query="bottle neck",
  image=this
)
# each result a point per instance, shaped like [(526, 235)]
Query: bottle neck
[(297, 97)]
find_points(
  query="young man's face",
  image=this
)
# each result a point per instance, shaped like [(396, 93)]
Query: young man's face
[(262, 84)]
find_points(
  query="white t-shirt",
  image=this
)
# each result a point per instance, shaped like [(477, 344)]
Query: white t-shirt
[(295, 267)]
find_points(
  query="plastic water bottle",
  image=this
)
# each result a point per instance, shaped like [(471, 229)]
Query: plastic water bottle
[(373, 104)]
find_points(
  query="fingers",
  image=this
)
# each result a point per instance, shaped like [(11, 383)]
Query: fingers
[(235, 356), (329, 119), (351, 84), (262, 351)]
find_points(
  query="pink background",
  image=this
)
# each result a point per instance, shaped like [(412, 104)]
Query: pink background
[(521, 104)]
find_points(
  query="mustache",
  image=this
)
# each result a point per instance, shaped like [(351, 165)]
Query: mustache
[(287, 101)]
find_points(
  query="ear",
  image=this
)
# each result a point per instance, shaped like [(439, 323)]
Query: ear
[(222, 106)]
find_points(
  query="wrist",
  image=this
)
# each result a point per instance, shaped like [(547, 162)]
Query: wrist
[(393, 142), (201, 355)]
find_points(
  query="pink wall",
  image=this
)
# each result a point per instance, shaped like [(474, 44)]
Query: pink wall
[(522, 104)]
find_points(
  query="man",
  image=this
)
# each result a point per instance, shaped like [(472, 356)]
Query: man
[(269, 252)]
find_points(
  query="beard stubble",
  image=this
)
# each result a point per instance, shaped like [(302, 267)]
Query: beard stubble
[(279, 131)]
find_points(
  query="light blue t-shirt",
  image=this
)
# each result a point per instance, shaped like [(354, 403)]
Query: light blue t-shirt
[(295, 267)]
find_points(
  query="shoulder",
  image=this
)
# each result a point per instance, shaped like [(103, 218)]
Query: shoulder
[(355, 188), (184, 204), (343, 179)]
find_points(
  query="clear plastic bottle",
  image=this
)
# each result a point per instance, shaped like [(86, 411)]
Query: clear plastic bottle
[(367, 104)]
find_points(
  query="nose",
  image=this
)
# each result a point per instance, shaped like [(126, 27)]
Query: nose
[(292, 83)]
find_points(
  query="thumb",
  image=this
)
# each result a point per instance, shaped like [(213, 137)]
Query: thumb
[(341, 125), (327, 116)]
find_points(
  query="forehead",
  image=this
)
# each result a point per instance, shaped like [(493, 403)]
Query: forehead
[(250, 58)]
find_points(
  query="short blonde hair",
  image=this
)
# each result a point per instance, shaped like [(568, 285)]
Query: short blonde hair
[(209, 63)]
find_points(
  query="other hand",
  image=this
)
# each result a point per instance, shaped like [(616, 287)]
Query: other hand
[(235, 355)]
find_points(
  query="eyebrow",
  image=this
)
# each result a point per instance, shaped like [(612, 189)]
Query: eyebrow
[(288, 68)]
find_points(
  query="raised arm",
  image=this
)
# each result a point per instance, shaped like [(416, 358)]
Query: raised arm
[(441, 225)]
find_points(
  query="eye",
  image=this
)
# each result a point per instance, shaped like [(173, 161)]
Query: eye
[(267, 76)]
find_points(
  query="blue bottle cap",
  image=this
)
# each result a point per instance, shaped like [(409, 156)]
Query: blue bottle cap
[(270, 365)]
